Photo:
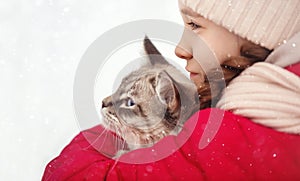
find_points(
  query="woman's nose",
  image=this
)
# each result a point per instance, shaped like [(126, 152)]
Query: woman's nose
[(182, 53)]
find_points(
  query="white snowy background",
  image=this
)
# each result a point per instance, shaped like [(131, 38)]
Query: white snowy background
[(41, 43)]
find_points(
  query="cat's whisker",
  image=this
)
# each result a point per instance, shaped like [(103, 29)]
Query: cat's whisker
[(115, 140), (104, 131), (104, 140), (123, 134), (120, 145), (115, 129)]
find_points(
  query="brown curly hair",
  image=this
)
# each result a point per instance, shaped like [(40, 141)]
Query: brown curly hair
[(210, 91)]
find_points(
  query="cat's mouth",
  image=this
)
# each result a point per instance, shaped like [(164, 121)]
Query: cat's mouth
[(110, 119)]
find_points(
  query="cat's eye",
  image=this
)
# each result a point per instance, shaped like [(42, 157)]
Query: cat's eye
[(194, 25), (130, 102)]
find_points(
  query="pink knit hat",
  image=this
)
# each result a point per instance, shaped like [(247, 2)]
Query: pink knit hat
[(265, 22)]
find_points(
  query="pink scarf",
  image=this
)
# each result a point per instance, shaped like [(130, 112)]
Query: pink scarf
[(267, 93)]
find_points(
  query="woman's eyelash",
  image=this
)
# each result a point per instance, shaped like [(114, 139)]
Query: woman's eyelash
[(194, 25)]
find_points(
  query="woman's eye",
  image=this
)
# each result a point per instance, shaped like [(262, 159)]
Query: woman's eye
[(130, 103), (194, 25)]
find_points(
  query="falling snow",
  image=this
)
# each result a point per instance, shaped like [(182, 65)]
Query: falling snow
[(149, 168), (41, 45)]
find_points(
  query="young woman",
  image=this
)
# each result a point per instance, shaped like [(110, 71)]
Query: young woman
[(257, 46), (242, 34)]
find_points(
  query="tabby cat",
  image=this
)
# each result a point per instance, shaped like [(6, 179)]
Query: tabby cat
[(151, 102)]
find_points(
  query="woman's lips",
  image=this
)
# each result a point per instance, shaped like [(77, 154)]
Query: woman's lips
[(195, 77), (192, 75)]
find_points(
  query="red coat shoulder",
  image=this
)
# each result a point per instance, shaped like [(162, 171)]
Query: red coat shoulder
[(232, 147)]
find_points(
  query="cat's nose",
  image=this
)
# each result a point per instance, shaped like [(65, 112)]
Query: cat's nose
[(107, 102)]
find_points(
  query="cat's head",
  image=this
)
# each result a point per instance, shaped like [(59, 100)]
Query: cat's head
[(150, 102)]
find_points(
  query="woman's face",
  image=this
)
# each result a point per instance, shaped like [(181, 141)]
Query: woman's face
[(223, 43)]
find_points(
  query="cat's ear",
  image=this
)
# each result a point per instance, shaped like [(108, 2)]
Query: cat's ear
[(166, 90), (154, 55)]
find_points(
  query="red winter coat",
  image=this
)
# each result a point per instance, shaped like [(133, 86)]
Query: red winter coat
[(240, 150)]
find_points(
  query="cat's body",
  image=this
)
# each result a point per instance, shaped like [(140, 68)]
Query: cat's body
[(151, 102)]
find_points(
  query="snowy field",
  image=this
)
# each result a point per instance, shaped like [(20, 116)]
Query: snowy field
[(41, 44)]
